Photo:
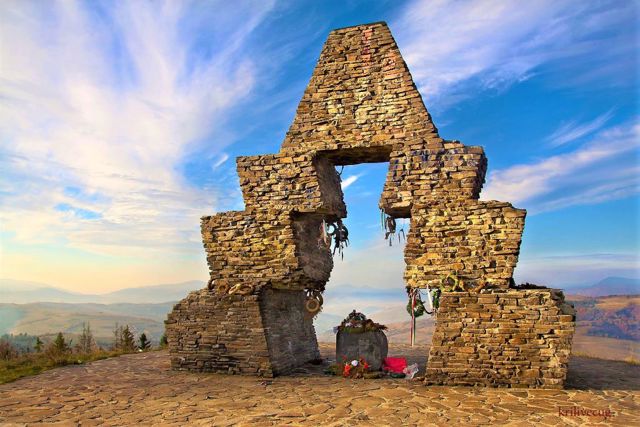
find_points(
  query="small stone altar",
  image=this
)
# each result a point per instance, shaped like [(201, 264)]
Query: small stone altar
[(361, 338)]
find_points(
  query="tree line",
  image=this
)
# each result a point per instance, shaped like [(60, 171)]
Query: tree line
[(124, 341)]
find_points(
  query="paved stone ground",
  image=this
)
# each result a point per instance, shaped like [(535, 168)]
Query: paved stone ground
[(140, 389)]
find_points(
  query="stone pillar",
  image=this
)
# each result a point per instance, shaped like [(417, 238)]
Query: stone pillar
[(360, 106), (502, 338), (291, 337), (212, 333), (266, 334)]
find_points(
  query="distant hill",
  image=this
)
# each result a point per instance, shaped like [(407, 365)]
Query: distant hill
[(326, 321), (47, 318), (394, 312), (608, 286), (21, 292), (611, 316), (397, 333), (394, 317)]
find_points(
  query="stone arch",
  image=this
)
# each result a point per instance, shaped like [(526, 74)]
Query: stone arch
[(361, 105)]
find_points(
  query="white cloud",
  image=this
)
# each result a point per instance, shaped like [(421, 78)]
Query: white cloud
[(111, 105), (493, 43), (377, 265), (369, 279), (348, 181), (571, 131), (604, 169), (223, 158)]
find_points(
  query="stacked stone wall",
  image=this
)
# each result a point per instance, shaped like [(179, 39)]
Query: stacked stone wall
[(479, 241), (361, 94), (282, 182), (361, 105), (418, 175), (505, 338), (210, 333)]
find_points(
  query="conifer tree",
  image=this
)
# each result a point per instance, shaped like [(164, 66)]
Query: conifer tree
[(117, 335), (38, 345), (144, 342), (87, 343), (59, 344), (127, 340)]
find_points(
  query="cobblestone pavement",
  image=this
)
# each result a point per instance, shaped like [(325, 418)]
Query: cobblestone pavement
[(140, 389)]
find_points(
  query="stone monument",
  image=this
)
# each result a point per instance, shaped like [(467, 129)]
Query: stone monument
[(360, 338), (362, 106)]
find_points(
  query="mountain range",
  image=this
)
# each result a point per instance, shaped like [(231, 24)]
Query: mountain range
[(606, 287), (22, 292), (607, 325)]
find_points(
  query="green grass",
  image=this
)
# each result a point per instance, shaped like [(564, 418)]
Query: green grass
[(32, 364)]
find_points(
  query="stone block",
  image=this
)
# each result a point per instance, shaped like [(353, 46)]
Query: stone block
[(372, 346), (531, 354)]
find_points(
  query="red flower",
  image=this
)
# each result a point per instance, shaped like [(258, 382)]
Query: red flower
[(347, 370)]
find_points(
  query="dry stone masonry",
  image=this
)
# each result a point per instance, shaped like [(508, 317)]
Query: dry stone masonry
[(360, 106), (508, 338)]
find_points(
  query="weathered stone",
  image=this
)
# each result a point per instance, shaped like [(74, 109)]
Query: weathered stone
[(529, 356), (372, 346), (360, 106)]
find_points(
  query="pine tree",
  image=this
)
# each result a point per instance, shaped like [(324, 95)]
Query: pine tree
[(60, 345), (39, 344), (127, 340), (7, 350), (144, 342), (163, 341), (86, 344), (117, 335)]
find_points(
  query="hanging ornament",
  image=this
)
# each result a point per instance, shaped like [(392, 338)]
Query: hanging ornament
[(429, 301), (313, 302), (340, 236), (390, 228), (324, 241), (415, 307)]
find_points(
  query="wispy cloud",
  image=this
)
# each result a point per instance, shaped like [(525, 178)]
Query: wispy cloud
[(598, 171), (573, 130), (376, 264), (223, 158), (450, 44), (108, 102), (348, 181)]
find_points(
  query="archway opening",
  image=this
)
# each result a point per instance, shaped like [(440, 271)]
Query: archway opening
[(368, 275)]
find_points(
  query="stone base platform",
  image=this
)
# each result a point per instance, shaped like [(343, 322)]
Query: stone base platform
[(502, 338)]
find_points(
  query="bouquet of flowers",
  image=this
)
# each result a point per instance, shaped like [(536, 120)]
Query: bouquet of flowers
[(355, 368), (358, 323)]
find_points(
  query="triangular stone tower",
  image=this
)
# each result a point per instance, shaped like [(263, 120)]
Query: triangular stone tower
[(361, 94)]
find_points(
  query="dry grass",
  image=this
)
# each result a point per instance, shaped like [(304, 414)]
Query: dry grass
[(615, 303), (605, 348), (632, 360), (33, 363)]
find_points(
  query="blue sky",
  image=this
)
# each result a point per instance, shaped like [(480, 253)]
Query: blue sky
[(119, 123)]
